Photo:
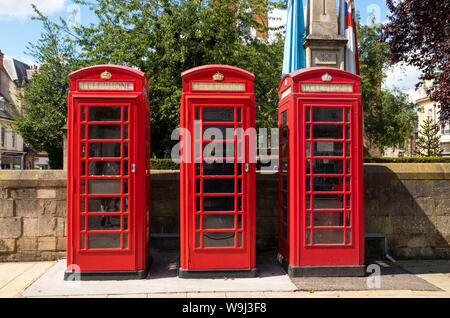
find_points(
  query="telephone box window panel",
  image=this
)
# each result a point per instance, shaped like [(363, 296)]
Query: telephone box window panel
[(217, 185), (327, 194), (107, 221)]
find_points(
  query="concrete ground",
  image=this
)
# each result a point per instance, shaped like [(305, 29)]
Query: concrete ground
[(405, 279)]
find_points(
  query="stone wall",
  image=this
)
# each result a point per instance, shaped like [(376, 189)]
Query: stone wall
[(408, 202), (32, 215), (411, 204)]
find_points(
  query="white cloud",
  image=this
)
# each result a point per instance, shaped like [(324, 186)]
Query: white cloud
[(405, 78), (21, 9)]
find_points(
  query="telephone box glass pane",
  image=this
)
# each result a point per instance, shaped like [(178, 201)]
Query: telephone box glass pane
[(104, 223), (328, 166), (328, 183), (218, 186), (328, 236), (104, 240), (216, 239), (217, 169), (218, 114), (327, 114), (218, 203), (218, 150), (328, 218), (328, 132), (104, 150), (328, 201), (105, 187), (104, 168), (125, 114), (328, 149), (105, 132), (223, 132), (104, 204), (218, 221), (105, 113), (83, 113)]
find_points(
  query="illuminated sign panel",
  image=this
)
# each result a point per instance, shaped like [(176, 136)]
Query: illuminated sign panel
[(214, 86), (327, 88), (106, 86)]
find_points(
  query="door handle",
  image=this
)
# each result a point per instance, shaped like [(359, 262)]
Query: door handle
[(133, 168), (246, 167)]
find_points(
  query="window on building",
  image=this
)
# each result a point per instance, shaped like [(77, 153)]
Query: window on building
[(3, 137), (14, 139), (446, 129)]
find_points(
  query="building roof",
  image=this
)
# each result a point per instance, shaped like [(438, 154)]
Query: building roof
[(16, 70)]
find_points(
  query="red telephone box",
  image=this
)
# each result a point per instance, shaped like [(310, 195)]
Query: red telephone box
[(217, 173), (321, 209), (108, 173)]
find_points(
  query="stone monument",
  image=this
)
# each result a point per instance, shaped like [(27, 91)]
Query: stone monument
[(324, 46)]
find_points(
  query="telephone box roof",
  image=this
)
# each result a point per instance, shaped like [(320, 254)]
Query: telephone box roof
[(218, 67)]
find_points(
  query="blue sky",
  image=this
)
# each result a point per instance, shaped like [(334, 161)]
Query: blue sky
[(17, 28)]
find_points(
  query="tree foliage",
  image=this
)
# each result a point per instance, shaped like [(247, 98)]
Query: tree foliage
[(45, 98), (167, 37), (419, 34), (389, 116), (429, 140)]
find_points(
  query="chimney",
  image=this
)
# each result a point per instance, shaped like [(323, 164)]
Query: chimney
[(1, 59)]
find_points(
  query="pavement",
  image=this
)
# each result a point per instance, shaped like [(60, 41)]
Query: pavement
[(404, 279)]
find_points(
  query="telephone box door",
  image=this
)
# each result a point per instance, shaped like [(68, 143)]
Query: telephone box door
[(331, 199), (104, 209), (219, 235)]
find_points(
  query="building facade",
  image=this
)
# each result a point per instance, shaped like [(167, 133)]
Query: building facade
[(12, 74), (428, 108)]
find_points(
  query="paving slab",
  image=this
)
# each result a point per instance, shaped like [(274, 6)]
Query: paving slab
[(393, 277), (163, 279), (15, 277)]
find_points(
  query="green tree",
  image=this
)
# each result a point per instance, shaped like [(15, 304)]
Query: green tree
[(166, 37), (389, 117), (429, 140), (45, 98)]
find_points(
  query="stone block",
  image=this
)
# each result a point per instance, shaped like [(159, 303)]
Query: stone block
[(46, 193), (61, 244), (7, 208), (30, 227), (442, 224), (47, 207), (266, 226), (27, 256), (23, 193), (59, 255), (47, 225), (10, 227), (61, 193), (7, 245), (27, 208), (60, 226), (27, 244), (47, 243), (164, 225), (4, 193), (61, 208), (442, 207), (378, 224), (425, 206), (412, 225)]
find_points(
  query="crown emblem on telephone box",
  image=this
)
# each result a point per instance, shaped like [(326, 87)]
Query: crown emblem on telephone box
[(106, 75), (327, 78), (218, 77)]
